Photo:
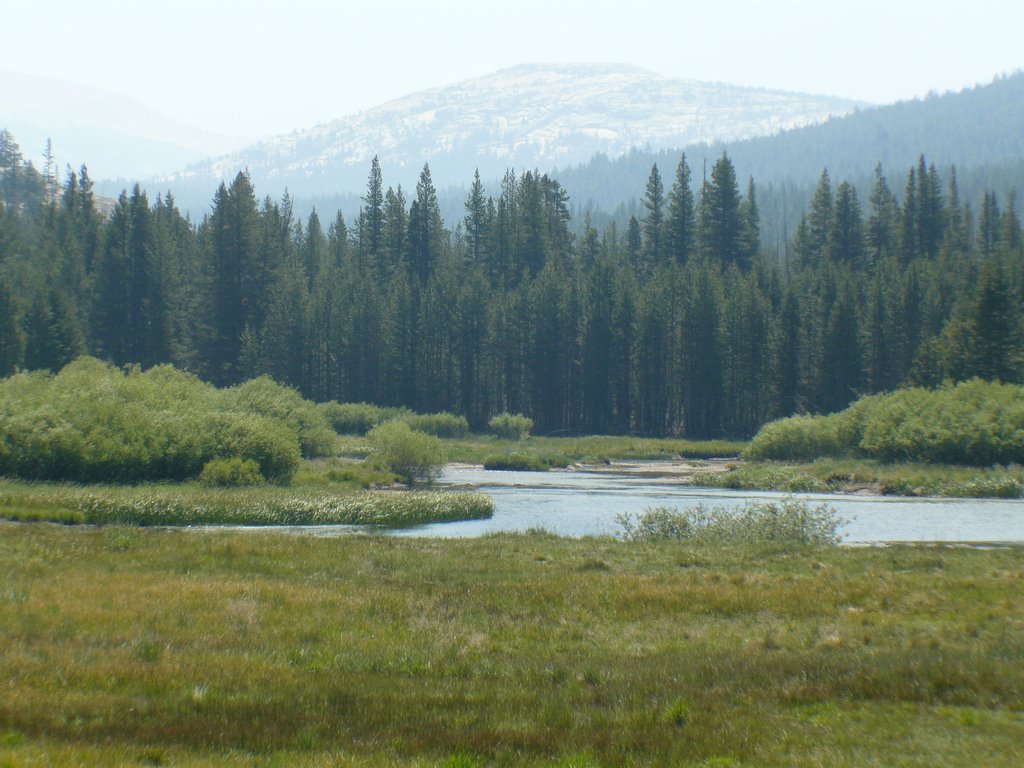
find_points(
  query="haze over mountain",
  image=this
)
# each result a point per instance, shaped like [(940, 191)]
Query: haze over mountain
[(114, 135), (530, 116)]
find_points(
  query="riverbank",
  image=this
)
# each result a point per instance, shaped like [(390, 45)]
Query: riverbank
[(866, 476), (127, 645)]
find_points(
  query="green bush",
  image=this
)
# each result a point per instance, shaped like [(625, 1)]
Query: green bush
[(798, 438), (525, 462), (358, 418), (787, 522), (977, 423), (511, 426), (230, 473), (515, 462), (265, 397), (415, 457), (438, 424), (95, 423)]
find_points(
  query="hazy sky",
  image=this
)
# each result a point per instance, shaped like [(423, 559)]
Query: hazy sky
[(255, 67)]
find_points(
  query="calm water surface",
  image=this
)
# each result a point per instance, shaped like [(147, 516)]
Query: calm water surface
[(584, 503)]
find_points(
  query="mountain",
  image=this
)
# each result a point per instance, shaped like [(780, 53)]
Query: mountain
[(531, 116), (114, 135), (978, 130)]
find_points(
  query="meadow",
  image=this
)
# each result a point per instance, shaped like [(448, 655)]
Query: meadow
[(126, 645)]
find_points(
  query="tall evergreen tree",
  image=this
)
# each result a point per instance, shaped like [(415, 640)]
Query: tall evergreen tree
[(232, 248), (721, 225), (883, 223), (654, 219), (426, 231), (846, 238), (476, 222), (371, 218), (681, 222)]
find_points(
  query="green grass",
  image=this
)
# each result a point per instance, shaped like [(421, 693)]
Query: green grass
[(143, 647), (844, 475), (192, 504), (592, 449)]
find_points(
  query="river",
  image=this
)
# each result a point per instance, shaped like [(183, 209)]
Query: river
[(586, 503)]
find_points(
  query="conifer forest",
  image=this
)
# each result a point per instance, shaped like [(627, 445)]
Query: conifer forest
[(678, 323)]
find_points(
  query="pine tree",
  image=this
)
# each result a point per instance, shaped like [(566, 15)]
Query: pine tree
[(371, 218), (701, 354), (995, 344), (654, 220), (426, 231), (785, 341), (841, 354), (721, 225), (930, 224), (846, 238), (751, 222), (231, 236), (476, 222), (883, 223), (988, 225), (633, 242), (816, 227), (12, 338), (313, 248), (681, 222)]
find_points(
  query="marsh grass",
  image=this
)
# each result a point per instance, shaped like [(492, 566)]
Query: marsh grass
[(187, 504), (789, 522), (901, 479), (136, 646)]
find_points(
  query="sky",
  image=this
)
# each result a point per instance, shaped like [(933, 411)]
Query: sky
[(253, 68)]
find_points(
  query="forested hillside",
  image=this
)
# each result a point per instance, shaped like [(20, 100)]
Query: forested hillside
[(676, 323), (973, 128)]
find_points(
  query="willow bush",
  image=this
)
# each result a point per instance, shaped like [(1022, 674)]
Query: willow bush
[(92, 422), (415, 457), (977, 423), (511, 426)]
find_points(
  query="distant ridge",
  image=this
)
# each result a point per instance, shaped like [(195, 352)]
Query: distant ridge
[(528, 116), (114, 135)]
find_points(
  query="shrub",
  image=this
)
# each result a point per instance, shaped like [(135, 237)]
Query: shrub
[(230, 473), (525, 462), (516, 462), (415, 457), (789, 521), (95, 423), (511, 426), (438, 424), (266, 397), (352, 418), (977, 423), (798, 438)]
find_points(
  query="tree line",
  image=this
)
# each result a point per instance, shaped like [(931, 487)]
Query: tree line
[(680, 324)]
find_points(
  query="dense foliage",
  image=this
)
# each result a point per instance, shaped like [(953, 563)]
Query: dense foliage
[(415, 457), (93, 422), (976, 422), (680, 323)]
